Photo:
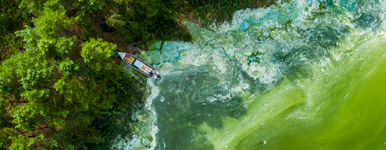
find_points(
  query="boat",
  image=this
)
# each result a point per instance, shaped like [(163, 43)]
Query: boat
[(140, 65)]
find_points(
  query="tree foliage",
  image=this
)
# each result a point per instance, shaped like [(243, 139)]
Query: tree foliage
[(96, 54), (147, 19), (49, 96), (10, 19), (10, 44), (84, 9), (117, 119), (10, 15)]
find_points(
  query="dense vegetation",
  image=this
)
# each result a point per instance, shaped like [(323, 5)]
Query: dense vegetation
[(11, 19), (147, 19), (59, 88), (52, 92)]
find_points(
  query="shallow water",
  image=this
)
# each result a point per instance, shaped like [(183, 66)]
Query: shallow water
[(298, 75)]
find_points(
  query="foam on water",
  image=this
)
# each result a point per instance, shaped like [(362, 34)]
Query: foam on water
[(144, 134), (293, 76)]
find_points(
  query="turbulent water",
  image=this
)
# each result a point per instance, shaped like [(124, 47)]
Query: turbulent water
[(297, 75)]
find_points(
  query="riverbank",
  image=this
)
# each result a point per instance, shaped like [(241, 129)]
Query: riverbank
[(59, 87)]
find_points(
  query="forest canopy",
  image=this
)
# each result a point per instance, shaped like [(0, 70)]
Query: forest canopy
[(51, 92)]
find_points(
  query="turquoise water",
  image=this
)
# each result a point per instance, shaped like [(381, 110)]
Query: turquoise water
[(297, 75)]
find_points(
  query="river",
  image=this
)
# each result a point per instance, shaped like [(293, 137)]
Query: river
[(303, 74)]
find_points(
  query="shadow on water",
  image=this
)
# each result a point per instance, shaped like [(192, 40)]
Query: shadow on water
[(369, 18), (189, 99), (297, 62)]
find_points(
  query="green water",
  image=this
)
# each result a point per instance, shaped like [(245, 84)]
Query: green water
[(298, 75)]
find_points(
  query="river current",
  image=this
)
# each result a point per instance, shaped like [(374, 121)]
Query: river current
[(305, 74)]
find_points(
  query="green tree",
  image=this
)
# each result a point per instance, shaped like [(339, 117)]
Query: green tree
[(142, 20), (51, 93), (11, 18), (53, 100), (83, 9), (96, 54)]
